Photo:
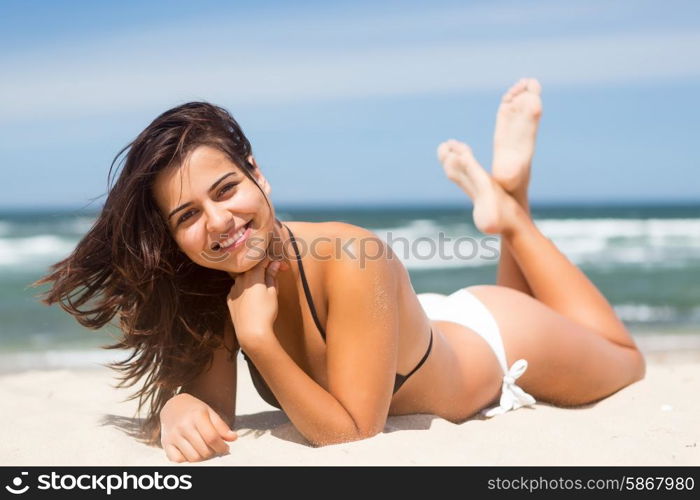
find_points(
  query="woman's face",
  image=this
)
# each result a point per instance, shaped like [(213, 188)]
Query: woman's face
[(217, 216)]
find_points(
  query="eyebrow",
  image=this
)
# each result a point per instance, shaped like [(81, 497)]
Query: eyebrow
[(212, 188)]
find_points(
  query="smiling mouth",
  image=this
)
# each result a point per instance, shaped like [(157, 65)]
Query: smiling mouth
[(235, 241)]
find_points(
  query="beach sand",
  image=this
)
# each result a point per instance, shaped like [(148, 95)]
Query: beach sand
[(75, 417)]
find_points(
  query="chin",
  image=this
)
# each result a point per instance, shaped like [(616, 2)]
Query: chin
[(242, 267)]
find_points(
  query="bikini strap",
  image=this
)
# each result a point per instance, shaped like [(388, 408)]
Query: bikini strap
[(425, 356), (305, 284)]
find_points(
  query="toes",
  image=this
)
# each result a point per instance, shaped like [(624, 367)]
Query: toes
[(523, 85), (458, 147), (454, 157), (452, 146), (452, 143), (534, 86), (466, 157), (516, 89), (450, 163), (443, 150), (462, 149)]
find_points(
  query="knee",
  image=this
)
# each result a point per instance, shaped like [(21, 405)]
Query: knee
[(639, 366), (636, 370), (627, 371)]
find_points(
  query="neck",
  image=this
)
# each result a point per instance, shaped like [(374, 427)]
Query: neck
[(281, 249)]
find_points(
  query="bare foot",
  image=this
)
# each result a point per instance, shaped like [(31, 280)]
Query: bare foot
[(514, 138), (492, 205)]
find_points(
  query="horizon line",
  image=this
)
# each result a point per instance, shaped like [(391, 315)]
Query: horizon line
[(397, 205)]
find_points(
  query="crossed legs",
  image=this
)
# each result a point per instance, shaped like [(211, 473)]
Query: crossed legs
[(547, 309)]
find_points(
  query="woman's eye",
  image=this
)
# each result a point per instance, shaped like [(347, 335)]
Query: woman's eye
[(184, 216), (226, 188), (223, 190)]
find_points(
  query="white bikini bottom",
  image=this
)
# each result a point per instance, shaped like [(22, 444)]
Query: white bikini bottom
[(466, 309)]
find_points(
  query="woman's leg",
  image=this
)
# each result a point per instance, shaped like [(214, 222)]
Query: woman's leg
[(577, 348), (514, 146), (553, 279), (514, 137), (509, 273)]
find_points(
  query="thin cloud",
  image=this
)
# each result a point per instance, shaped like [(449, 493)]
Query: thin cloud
[(131, 82)]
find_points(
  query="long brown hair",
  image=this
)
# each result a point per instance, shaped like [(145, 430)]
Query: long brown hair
[(172, 312)]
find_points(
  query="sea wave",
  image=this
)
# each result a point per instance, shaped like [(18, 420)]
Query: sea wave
[(425, 244), (62, 226), (644, 313), (34, 252), (597, 242), (608, 242)]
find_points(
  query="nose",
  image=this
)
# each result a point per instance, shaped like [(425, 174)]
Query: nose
[(218, 220)]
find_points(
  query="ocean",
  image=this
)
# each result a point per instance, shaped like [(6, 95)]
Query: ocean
[(644, 258)]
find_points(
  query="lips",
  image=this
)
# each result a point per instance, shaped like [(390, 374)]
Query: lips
[(233, 241)]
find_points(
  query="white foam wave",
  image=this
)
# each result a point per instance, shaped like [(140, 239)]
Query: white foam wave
[(81, 225), (606, 242), (644, 313), (424, 244), (428, 244), (599, 242), (64, 226), (34, 251)]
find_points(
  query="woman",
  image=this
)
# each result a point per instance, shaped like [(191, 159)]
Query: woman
[(189, 253)]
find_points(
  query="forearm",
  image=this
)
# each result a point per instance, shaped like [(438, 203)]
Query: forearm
[(216, 386), (315, 412)]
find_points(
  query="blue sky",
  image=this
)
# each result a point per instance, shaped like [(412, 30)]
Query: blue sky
[(345, 102)]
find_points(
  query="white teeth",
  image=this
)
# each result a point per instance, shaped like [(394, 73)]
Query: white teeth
[(230, 241)]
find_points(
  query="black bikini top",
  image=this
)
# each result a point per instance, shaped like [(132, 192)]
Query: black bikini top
[(258, 381)]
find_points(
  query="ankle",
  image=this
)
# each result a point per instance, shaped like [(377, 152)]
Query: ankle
[(522, 199), (516, 216)]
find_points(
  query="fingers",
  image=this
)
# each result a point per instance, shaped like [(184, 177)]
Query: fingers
[(271, 274), (221, 427), (211, 437), (174, 454), (187, 450), (202, 441), (266, 271), (194, 437), (257, 272)]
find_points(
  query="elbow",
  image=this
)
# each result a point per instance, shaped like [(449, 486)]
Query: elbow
[(370, 430), (357, 434), (366, 430)]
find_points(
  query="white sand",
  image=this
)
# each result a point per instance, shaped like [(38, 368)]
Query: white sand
[(74, 417)]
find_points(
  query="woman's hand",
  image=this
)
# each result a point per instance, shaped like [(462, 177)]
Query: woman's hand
[(192, 431), (252, 301)]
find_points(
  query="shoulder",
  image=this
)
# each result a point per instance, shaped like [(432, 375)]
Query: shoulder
[(355, 258), (328, 229), (342, 245)]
